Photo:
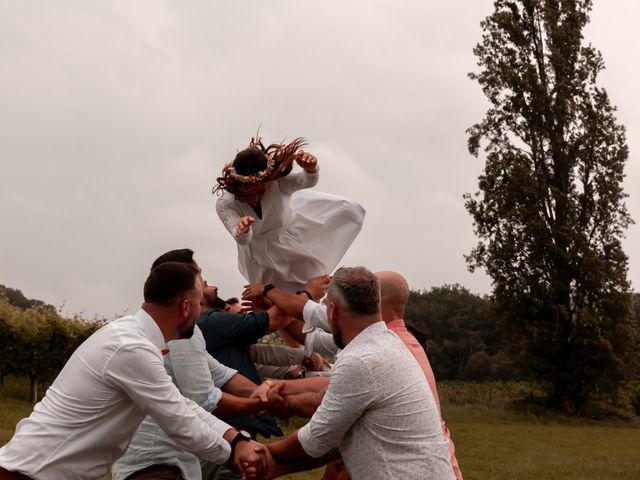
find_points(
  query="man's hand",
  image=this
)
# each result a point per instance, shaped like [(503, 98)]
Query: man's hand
[(253, 291), (250, 458), (270, 394), (308, 162), (315, 362), (243, 225), (318, 286), (262, 391), (275, 399), (275, 469)]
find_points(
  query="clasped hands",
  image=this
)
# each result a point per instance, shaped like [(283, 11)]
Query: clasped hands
[(270, 394), (254, 462)]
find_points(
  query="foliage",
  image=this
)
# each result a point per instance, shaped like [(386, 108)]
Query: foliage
[(550, 213), (463, 342), (36, 342), (16, 298)]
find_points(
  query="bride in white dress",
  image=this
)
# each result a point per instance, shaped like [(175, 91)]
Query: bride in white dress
[(285, 235)]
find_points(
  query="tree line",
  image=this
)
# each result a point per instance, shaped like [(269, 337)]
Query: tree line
[(466, 339), (461, 332), (35, 339)]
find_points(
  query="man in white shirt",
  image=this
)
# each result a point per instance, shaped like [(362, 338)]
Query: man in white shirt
[(378, 410), (314, 333), (115, 378)]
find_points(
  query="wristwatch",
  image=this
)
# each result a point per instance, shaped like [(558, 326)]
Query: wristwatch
[(242, 436), (306, 293), (266, 289)]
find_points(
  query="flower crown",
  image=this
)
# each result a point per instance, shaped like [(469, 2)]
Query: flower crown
[(230, 170), (280, 158)]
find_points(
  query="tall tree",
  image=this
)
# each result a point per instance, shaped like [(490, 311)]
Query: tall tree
[(551, 213)]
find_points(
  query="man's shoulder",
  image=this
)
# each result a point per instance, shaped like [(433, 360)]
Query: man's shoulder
[(222, 327), (220, 317), (378, 345)]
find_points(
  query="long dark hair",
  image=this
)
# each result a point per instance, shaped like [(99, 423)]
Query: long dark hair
[(257, 165)]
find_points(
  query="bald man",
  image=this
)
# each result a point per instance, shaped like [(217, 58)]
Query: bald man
[(394, 295)]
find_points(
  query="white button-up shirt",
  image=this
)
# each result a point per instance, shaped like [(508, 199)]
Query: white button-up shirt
[(317, 329), (91, 411)]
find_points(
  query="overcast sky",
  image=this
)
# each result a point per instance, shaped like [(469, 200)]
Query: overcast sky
[(117, 116)]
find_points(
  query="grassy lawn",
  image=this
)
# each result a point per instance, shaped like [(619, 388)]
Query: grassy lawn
[(499, 445), (491, 444)]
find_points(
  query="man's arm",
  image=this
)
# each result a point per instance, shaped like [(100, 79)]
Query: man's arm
[(240, 386), (277, 319), (351, 391), (231, 406), (302, 385), (316, 340), (288, 456), (295, 329), (292, 304), (302, 405), (286, 398)]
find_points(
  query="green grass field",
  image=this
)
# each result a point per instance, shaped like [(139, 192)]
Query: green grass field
[(491, 443)]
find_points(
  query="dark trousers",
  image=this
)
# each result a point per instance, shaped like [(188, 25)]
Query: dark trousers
[(157, 472), (7, 475)]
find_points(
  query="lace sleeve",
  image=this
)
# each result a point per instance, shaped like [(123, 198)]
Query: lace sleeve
[(297, 181), (227, 209)]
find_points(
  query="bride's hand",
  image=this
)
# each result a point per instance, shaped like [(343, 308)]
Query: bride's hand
[(308, 162), (243, 225)]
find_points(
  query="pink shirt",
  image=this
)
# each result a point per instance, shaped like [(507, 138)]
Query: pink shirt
[(399, 328)]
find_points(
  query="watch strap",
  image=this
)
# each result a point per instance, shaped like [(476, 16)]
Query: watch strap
[(242, 436), (266, 289), (306, 293)]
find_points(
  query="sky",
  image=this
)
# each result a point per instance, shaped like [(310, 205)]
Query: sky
[(116, 117)]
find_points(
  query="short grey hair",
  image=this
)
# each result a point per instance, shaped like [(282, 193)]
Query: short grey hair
[(356, 289)]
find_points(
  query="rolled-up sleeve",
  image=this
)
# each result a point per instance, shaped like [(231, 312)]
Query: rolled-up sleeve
[(315, 316), (350, 392), (321, 342), (196, 373)]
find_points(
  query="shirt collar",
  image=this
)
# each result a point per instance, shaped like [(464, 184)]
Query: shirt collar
[(397, 323), (151, 328), (371, 330)]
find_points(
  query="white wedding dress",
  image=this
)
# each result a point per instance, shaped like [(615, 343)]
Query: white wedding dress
[(301, 234)]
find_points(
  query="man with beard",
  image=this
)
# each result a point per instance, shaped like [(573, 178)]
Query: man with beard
[(394, 296), (115, 378), (228, 338), (200, 377), (378, 409), (215, 387)]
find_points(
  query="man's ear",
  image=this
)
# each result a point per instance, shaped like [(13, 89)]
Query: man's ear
[(333, 314), (183, 307)]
